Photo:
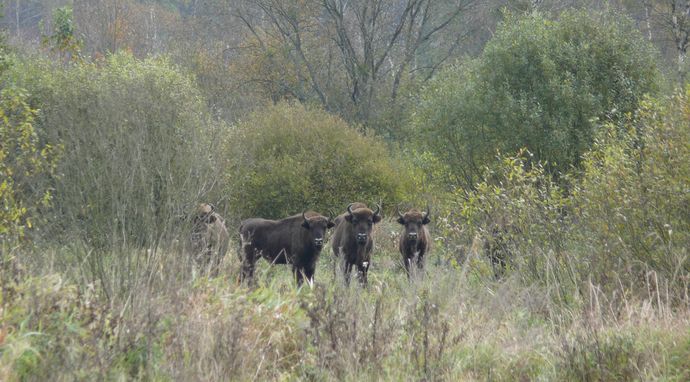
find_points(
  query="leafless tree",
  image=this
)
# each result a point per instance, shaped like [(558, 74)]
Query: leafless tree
[(375, 44)]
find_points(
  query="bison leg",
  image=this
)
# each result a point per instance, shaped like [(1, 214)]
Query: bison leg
[(216, 258), (362, 271), (306, 271), (406, 263), (309, 271), (348, 271), (298, 274), (248, 264)]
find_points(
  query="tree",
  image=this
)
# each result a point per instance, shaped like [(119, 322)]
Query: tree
[(539, 84), (376, 44), (673, 17), (62, 38)]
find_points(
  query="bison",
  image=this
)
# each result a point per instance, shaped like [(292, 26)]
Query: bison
[(352, 239), (209, 239), (295, 240), (414, 241)]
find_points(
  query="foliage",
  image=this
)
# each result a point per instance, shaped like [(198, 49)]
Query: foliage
[(443, 327), (539, 84), (520, 208), (633, 199), (138, 145), (62, 37), (289, 158), (25, 162)]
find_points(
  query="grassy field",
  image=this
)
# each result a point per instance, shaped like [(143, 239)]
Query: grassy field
[(141, 315)]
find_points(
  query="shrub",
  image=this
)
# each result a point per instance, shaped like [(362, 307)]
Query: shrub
[(520, 209), (24, 162), (289, 158), (634, 198), (539, 84), (137, 141)]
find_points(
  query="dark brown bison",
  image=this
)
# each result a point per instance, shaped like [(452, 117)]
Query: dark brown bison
[(414, 240), (295, 240), (209, 240), (352, 239)]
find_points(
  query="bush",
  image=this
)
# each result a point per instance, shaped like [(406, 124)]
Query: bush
[(538, 84), (289, 158), (137, 140), (624, 219), (24, 162), (519, 209), (634, 198)]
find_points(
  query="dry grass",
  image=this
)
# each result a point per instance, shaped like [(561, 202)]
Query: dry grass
[(450, 324)]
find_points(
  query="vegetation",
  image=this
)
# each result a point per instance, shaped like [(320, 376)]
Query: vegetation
[(552, 147), (288, 158), (539, 84), (136, 136)]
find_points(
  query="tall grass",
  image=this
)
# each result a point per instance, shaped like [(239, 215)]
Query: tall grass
[(152, 320)]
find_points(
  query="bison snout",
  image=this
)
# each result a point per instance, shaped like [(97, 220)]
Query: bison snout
[(412, 236), (318, 242), (361, 238)]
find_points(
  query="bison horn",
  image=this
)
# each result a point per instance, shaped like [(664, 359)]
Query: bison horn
[(304, 217), (428, 212), (378, 209), (397, 209), (349, 208)]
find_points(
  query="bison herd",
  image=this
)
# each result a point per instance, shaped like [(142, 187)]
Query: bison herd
[(299, 239)]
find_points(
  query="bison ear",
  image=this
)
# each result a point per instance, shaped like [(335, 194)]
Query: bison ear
[(377, 218), (305, 224), (426, 220), (401, 220), (330, 224), (348, 217), (212, 218)]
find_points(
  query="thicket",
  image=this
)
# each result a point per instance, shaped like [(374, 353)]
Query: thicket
[(539, 84), (624, 219), (138, 145), (287, 158)]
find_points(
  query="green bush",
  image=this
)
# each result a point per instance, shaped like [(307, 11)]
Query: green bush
[(138, 145), (289, 158), (539, 84), (634, 198), (24, 163), (520, 209)]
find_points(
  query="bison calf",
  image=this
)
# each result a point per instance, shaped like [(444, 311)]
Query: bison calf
[(352, 239), (414, 241), (209, 239), (295, 240)]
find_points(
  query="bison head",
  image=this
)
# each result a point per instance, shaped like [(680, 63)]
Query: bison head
[(362, 220), (204, 214), (316, 225), (413, 220)]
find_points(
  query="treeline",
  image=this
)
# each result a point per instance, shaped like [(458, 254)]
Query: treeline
[(358, 59), (115, 151)]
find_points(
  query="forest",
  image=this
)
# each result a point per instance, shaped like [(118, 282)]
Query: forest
[(546, 142)]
